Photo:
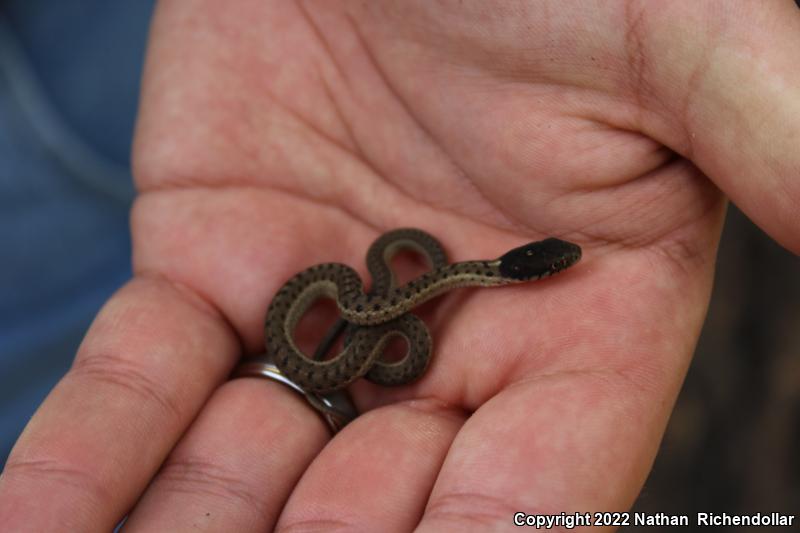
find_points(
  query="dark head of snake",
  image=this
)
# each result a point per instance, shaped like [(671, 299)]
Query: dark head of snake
[(538, 259)]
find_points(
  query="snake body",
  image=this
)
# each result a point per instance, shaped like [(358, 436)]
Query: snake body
[(383, 312)]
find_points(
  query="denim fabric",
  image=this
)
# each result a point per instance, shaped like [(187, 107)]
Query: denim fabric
[(69, 80)]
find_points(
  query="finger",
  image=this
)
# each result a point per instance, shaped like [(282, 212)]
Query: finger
[(543, 447), (731, 87), (376, 474), (147, 364), (237, 464)]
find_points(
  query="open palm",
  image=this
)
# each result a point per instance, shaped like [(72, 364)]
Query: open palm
[(276, 135)]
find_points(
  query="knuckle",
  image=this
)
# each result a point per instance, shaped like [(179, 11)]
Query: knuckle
[(470, 511), (131, 377), (55, 472), (200, 477), (314, 525)]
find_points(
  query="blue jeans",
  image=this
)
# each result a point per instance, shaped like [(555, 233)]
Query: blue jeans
[(69, 78)]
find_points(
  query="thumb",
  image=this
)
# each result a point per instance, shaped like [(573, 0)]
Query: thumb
[(729, 78)]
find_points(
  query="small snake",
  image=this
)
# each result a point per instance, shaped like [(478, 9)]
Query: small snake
[(374, 317)]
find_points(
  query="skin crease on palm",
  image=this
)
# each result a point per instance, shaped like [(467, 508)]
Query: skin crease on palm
[(274, 135)]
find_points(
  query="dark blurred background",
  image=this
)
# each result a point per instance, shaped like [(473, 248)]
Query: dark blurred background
[(69, 76)]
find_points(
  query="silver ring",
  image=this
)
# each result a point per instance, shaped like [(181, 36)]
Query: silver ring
[(335, 407)]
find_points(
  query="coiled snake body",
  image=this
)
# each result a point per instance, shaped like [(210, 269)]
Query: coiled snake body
[(378, 315)]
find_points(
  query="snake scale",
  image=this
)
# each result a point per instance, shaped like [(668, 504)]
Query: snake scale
[(374, 317)]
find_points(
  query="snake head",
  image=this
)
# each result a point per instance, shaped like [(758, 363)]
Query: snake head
[(539, 259)]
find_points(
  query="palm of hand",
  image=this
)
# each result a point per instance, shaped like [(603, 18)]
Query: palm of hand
[(305, 161)]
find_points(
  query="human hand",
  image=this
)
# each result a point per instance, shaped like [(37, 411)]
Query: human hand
[(274, 135)]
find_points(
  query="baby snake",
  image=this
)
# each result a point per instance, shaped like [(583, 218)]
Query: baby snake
[(374, 317)]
